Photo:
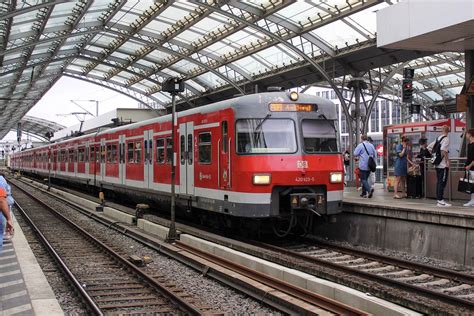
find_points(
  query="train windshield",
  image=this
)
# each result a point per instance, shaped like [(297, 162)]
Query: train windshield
[(266, 135), (320, 136)]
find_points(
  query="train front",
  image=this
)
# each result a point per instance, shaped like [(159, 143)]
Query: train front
[(288, 154)]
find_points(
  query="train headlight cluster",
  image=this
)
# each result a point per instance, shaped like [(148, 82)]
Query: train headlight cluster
[(261, 179), (335, 177)]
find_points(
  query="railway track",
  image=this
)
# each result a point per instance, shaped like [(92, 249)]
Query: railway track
[(435, 283), (107, 282), (305, 301)]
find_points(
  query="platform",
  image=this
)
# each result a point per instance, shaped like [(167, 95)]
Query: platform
[(415, 226), (409, 208), (24, 289)]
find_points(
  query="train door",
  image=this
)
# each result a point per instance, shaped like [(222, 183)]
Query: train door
[(122, 165), (224, 159), (186, 161), (87, 160), (76, 159), (102, 154), (148, 159)]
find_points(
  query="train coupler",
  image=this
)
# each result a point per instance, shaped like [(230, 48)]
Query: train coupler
[(314, 202)]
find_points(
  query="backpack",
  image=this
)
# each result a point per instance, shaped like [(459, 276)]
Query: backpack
[(437, 157), (372, 164)]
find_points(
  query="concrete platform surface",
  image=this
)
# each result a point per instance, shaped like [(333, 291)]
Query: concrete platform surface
[(24, 289), (385, 199)]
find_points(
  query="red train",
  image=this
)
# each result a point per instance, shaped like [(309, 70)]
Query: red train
[(271, 155)]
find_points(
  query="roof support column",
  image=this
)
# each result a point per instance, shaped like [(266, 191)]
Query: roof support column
[(469, 74)]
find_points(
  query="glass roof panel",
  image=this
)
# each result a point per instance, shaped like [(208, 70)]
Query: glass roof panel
[(184, 66), (173, 14), (338, 34), (251, 65), (299, 11), (276, 56), (157, 56), (196, 85), (156, 26), (189, 36), (211, 79), (162, 97)]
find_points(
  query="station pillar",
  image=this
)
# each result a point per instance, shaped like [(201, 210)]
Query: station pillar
[(469, 73)]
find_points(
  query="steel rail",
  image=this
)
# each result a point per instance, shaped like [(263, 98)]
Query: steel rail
[(300, 293), (183, 305), (373, 277), (435, 271), (75, 282)]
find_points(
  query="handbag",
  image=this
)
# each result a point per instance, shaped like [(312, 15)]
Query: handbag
[(371, 162), (466, 185)]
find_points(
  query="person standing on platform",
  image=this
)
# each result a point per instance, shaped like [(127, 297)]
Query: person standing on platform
[(10, 201), (6, 213), (347, 162), (423, 155), (371, 178), (442, 168), (401, 168), (365, 150), (470, 161)]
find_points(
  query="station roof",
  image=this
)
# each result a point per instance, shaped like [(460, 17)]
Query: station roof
[(219, 49), (39, 127)]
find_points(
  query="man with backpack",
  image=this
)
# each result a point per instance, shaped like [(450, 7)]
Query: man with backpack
[(366, 153), (440, 149)]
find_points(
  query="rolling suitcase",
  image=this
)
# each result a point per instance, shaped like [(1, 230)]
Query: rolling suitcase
[(414, 189)]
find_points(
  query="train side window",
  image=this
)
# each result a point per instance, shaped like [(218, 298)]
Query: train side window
[(138, 152), (86, 155), (190, 149), (112, 153), (160, 150), (169, 150), (130, 152), (224, 136), (80, 155), (204, 146), (183, 150)]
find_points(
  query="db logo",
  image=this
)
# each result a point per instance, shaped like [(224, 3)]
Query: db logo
[(302, 164)]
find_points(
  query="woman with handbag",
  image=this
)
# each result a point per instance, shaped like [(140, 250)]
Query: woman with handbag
[(401, 166), (470, 161)]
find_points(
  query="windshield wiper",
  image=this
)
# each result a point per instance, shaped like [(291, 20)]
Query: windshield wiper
[(331, 122), (261, 122)]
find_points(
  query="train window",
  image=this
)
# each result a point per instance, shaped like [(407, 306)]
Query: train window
[(92, 153), (319, 136), (130, 152), (204, 145), (71, 155), (183, 150), (138, 152), (190, 149), (112, 153), (86, 155), (265, 136), (224, 136), (80, 154), (169, 150), (160, 150)]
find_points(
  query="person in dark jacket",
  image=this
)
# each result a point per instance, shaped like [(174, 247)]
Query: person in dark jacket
[(423, 155), (470, 161)]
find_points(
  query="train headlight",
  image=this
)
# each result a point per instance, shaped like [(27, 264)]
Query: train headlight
[(293, 95), (335, 177), (261, 179)]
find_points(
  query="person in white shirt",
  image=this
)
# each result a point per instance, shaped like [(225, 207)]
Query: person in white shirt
[(442, 170)]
